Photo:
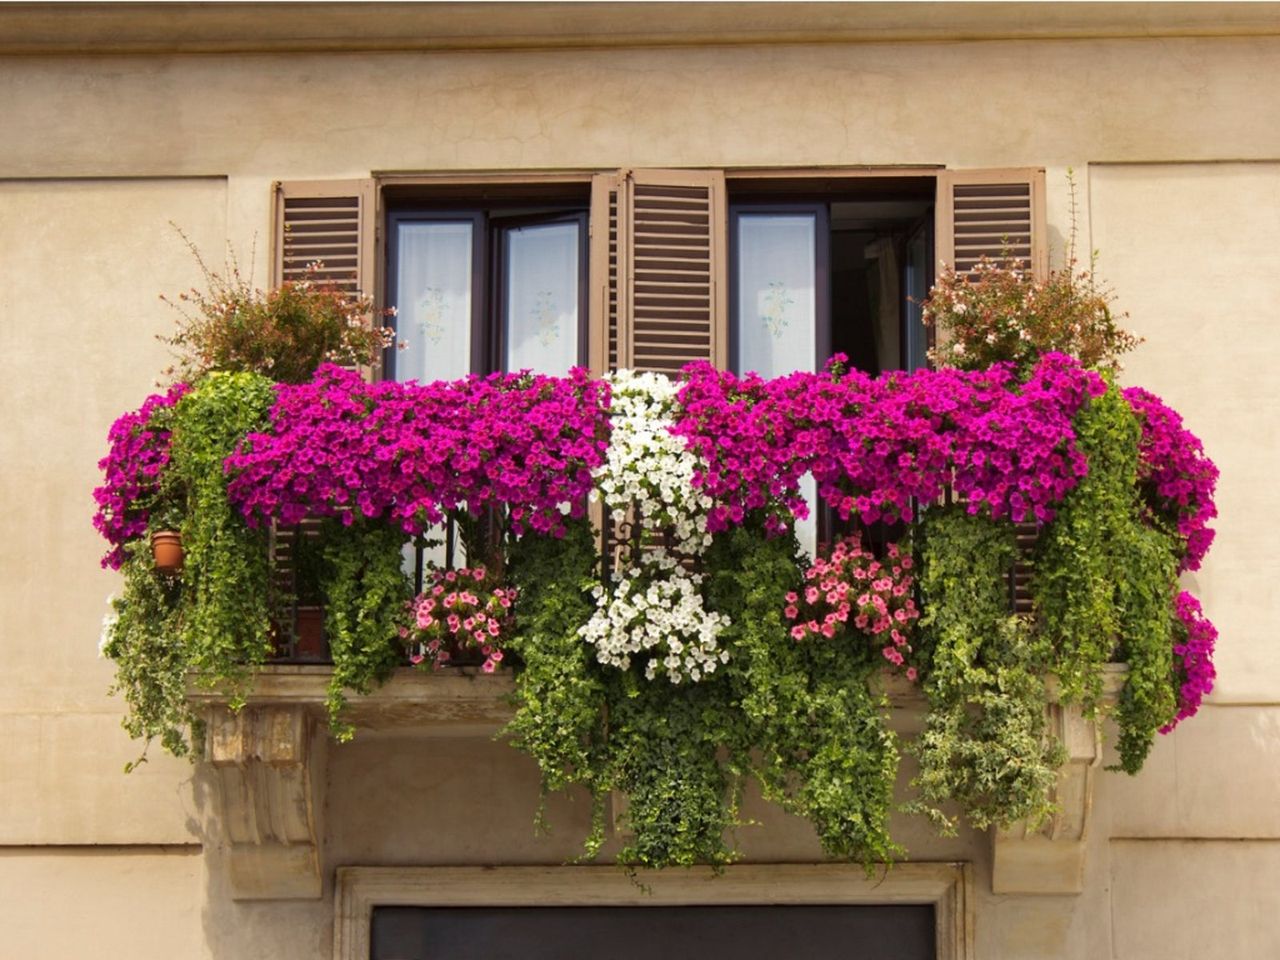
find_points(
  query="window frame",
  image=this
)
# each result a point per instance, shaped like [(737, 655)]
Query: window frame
[(479, 298), (485, 213), (499, 288), (946, 886), (822, 272)]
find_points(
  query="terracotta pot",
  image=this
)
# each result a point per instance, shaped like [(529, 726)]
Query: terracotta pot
[(309, 630), (166, 550)]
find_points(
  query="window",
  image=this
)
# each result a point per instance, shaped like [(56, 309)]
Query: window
[(483, 289), (821, 269), (779, 293)]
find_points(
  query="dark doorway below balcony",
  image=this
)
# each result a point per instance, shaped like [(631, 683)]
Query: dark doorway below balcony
[(899, 932)]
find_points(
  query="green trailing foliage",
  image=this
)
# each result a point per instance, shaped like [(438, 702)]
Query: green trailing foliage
[(227, 628), (368, 594), (985, 745), (799, 716), (141, 634), (559, 700), (813, 732), (214, 622), (1103, 582), (1075, 578), (677, 754), (1145, 600), (673, 750)]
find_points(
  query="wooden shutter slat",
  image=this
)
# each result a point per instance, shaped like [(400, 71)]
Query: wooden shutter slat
[(660, 274), (996, 243), (964, 224), (657, 310), (327, 253), (646, 197), (696, 190), (676, 323), (344, 215), (672, 235), (977, 188), (677, 294)]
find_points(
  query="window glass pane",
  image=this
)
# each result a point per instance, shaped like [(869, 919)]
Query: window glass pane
[(433, 300), (777, 306), (917, 334), (433, 317), (542, 297), (777, 311)]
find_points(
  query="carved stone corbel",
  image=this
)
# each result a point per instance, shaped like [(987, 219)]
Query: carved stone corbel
[(267, 763), (1050, 860)]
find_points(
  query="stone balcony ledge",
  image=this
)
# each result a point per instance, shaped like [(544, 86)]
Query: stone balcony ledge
[(462, 700), (269, 761)]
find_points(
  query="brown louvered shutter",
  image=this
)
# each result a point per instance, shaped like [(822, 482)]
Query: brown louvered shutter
[(602, 339), (333, 222), (992, 213), (330, 221), (659, 267), (995, 214)]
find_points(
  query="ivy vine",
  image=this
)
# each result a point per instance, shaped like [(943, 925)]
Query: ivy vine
[(985, 745), (368, 594), (227, 629), (673, 750), (1145, 600), (814, 733), (678, 756), (1104, 579), (559, 697), (142, 635)]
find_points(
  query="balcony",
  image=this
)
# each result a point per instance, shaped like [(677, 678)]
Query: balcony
[(682, 620)]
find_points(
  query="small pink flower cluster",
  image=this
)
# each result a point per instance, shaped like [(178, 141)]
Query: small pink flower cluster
[(876, 446), (852, 590), (411, 452), (1177, 476), (459, 611), (1193, 657), (137, 455)]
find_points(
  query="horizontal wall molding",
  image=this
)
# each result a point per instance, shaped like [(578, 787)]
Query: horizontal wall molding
[(128, 28), (14, 851), (1203, 841)]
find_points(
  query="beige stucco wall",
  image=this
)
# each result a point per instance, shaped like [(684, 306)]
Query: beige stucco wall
[(100, 154)]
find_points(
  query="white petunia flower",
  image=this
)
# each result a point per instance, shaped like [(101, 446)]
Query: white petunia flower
[(647, 470), (656, 611)]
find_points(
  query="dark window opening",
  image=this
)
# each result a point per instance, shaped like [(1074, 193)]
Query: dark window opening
[(818, 269)]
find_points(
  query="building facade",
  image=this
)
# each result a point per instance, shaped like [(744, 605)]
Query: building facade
[(237, 124)]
